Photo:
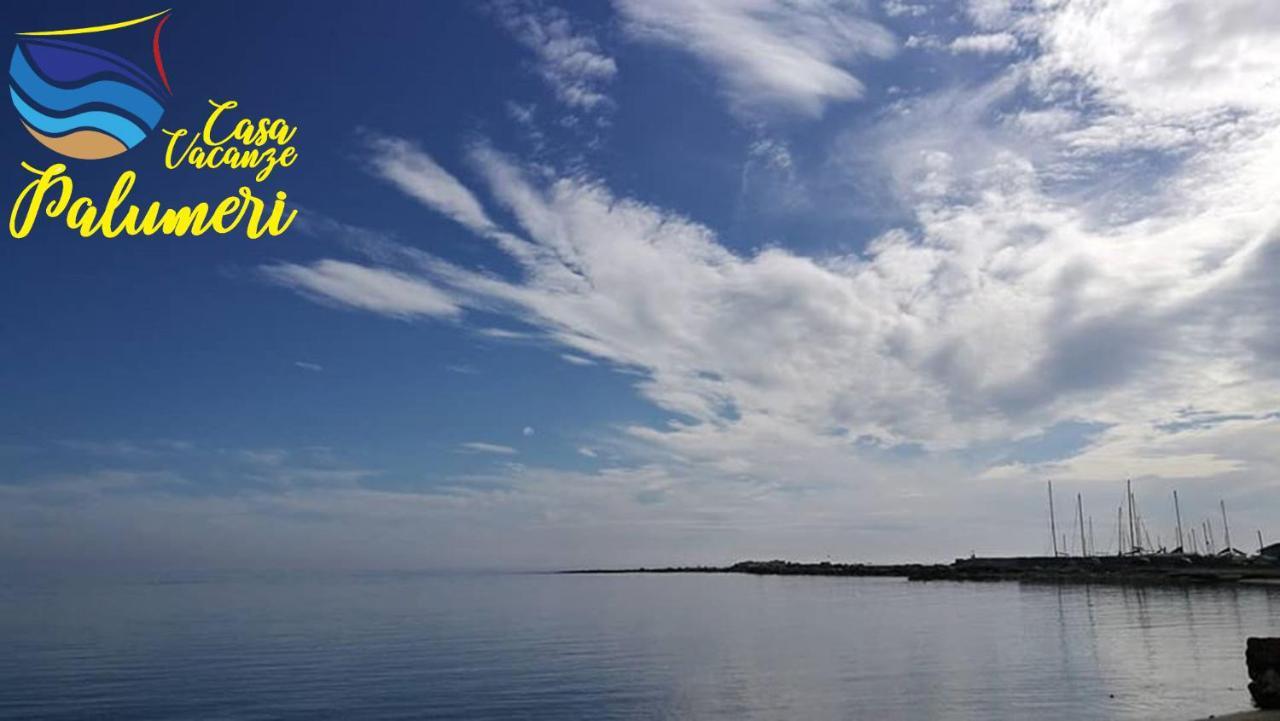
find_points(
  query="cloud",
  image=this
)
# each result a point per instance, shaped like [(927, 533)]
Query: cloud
[(897, 8), (1180, 57), (980, 44), (994, 318), (96, 468), (569, 60), (999, 315), (309, 366), (502, 334), (373, 289), (771, 55), (990, 14), (480, 447), (585, 451), (926, 41), (988, 44), (411, 170), (416, 174), (515, 517), (528, 431)]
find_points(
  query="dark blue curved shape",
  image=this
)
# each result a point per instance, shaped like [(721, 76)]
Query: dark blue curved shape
[(66, 63), (112, 93)]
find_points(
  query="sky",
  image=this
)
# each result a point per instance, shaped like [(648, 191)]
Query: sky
[(663, 282)]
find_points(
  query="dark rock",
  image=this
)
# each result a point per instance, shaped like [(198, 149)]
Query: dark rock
[(1263, 658)]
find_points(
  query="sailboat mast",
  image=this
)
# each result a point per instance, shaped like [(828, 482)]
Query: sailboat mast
[(1133, 537), (1226, 530), (1053, 523), (1084, 546), (1178, 512)]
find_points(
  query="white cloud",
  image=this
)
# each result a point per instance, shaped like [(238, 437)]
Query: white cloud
[(989, 324), (1182, 56), (481, 447), (987, 44), (771, 55), (416, 174), (928, 42), (569, 60), (309, 366), (772, 152), (502, 334), (585, 451), (985, 323), (528, 431), (990, 13), (981, 44), (379, 290), (516, 517), (897, 8), (547, 519)]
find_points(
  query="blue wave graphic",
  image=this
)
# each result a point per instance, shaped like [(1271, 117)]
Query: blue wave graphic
[(63, 62), (114, 125), (113, 93)]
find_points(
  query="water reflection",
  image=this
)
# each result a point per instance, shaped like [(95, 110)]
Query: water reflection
[(530, 646)]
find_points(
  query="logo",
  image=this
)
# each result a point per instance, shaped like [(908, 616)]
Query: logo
[(77, 93), (95, 92)]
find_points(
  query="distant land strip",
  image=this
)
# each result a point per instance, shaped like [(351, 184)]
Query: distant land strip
[(1168, 569)]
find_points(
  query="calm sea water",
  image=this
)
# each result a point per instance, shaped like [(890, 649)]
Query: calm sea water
[(410, 646)]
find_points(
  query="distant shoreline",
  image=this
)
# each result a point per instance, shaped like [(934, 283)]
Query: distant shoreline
[(1169, 569)]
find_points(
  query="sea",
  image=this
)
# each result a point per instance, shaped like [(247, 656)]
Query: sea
[(250, 646)]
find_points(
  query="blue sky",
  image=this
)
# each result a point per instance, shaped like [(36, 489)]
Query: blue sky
[(661, 282)]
